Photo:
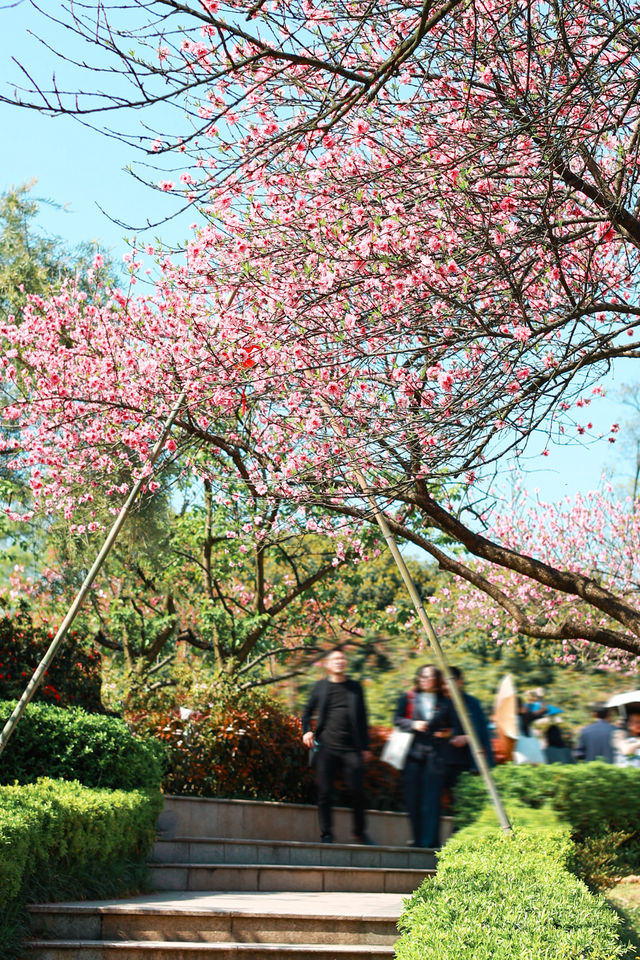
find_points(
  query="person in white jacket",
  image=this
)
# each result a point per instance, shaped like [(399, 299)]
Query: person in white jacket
[(628, 747)]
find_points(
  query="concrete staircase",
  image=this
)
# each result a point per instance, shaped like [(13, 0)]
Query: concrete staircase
[(250, 881)]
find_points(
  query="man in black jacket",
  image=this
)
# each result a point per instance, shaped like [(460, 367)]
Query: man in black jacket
[(458, 756), (342, 738)]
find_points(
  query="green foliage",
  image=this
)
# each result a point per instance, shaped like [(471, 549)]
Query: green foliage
[(625, 900), (60, 839), (249, 749), (599, 802), (51, 824), (508, 898), (543, 821), (73, 678), (223, 573), (72, 744), (32, 262)]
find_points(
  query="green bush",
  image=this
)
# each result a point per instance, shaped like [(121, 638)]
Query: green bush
[(73, 678), (251, 750), (54, 826), (59, 839), (508, 898), (600, 804), (71, 744)]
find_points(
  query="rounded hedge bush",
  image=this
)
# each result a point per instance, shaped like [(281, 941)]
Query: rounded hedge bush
[(71, 744), (508, 898)]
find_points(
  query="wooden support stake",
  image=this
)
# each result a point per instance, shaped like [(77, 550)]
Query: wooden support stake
[(427, 626), (63, 629)]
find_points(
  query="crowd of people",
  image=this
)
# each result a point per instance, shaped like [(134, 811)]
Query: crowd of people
[(612, 742), (335, 730)]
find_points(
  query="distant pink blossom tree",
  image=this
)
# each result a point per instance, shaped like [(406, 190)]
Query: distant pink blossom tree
[(597, 531)]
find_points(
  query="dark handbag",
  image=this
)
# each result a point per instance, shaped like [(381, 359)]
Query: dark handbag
[(313, 755)]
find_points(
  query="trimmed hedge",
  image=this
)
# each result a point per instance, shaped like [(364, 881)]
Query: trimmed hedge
[(54, 826), (508, 898), (71, 744), (599, 802), (61, 840)]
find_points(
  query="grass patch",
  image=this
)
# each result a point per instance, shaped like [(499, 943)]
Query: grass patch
[(625, 900)]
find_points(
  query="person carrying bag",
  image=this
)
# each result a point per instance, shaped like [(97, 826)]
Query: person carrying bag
[(428, 716)]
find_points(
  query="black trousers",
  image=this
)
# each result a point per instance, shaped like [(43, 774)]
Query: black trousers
[(351, 764), (423, 784)]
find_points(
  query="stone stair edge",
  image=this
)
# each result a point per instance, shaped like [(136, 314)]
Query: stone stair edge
[(271, 804), (294, 867), (336, 845), (172, 910), (276, 803), (187, 946)]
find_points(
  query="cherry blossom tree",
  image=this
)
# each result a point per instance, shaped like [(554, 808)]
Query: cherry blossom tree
[(243, 582), (417, 251), (597, 531)]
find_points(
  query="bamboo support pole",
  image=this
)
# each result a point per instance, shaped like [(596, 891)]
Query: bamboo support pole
[(427, 626), (63, 629)]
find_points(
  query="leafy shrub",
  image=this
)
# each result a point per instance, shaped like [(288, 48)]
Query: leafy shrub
[(59, 839), (599, 802), (55, 826), (251, 750), (71, 744), (382, 783), (74, 677), (508, 898)]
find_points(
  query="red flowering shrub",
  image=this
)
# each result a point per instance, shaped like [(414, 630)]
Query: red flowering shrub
[(74, 677), (252, 750), (382, 783)]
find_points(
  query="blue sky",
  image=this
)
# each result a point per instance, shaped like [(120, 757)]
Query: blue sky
[(75, 166), (84, 171)]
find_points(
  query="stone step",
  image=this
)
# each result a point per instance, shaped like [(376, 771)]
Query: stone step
[(165, 950), (177, 922), (196, 850), (257, 820), (260, 877)]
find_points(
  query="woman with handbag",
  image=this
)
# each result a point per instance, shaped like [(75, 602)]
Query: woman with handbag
[(429, 715)]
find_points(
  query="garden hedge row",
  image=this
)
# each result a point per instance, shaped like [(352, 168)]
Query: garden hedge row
[(71, 744), (600, 804), (508, 898), (61, 840), (55, 827)]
